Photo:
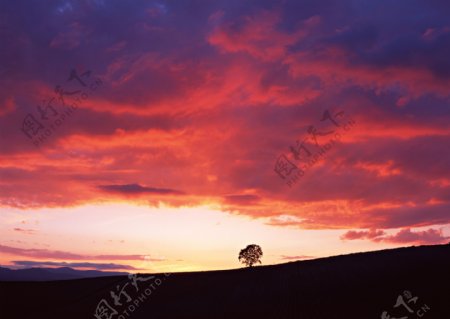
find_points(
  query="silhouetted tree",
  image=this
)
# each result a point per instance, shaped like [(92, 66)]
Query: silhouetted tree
[(250, 255)]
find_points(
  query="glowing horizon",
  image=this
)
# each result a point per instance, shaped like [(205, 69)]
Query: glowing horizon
[(162, 239)]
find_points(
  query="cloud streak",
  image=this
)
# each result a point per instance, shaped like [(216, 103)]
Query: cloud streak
[(300, 257), (25, 231), (137, 189), (96, 266), (63, 255)]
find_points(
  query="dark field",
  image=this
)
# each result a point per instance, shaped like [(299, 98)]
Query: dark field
[(350, 286)]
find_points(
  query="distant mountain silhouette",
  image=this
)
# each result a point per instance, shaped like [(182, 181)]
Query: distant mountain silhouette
[(47, 274), (360, 286)]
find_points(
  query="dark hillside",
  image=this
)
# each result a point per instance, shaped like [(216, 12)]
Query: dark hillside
[(350, 286)]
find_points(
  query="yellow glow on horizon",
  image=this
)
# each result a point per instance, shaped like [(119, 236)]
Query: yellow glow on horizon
[(184, 238)]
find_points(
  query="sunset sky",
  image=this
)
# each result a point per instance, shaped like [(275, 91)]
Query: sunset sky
[(145, 135)]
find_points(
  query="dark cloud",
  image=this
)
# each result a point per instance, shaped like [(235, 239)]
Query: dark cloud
[(241, 199), (137, 189), (54, 254), (96, 266)]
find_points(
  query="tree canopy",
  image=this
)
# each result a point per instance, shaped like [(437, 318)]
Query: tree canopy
[(250, 255)]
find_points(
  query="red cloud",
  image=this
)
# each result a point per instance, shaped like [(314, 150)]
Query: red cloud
[(257, 35), (429, 236), (370, 234)]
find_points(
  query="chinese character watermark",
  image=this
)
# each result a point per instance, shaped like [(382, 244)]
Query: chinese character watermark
[(408, 306), (52, 112), (126, 298), (306, 152)]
